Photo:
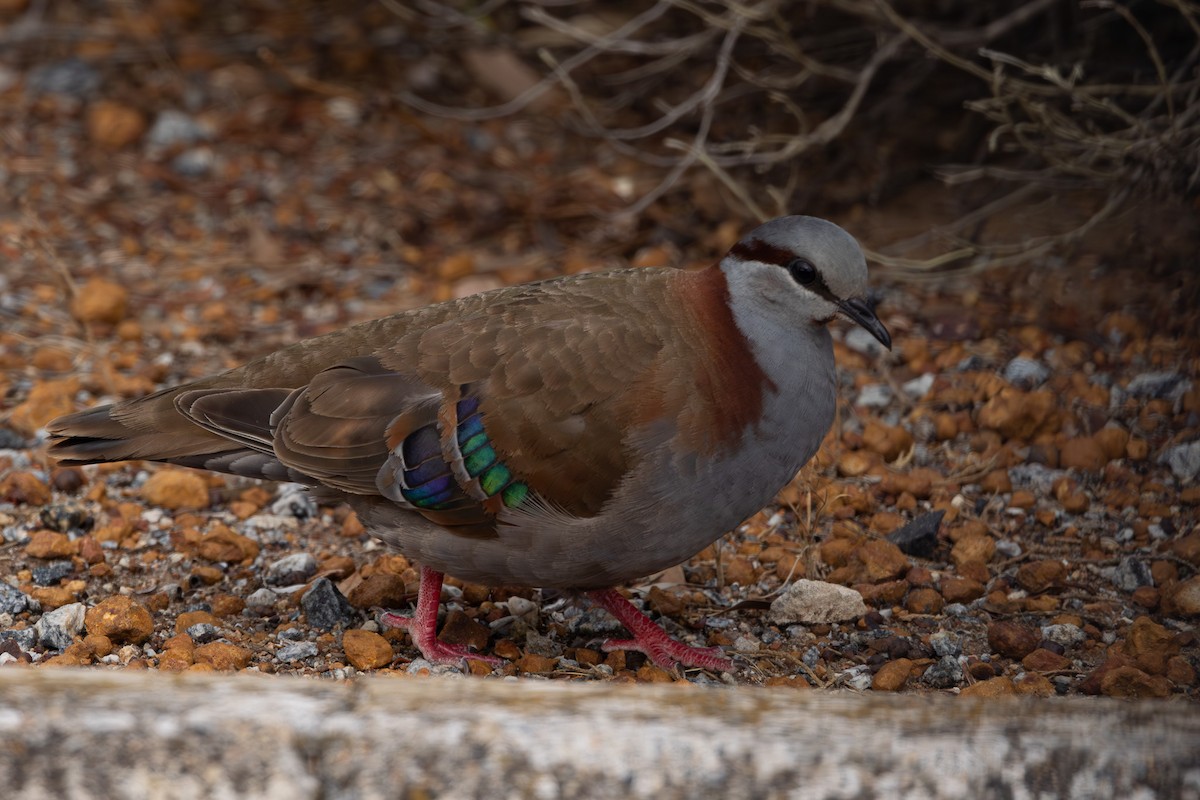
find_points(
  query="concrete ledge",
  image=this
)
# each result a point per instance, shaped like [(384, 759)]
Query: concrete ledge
[(86, 734)]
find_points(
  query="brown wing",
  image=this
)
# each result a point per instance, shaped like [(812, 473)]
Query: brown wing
[(558, 371)]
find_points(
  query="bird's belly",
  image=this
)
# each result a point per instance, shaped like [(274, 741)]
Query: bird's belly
[(671, 507)]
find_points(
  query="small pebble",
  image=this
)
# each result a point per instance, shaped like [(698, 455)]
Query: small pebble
[(173, 128), (1026, 373), (294, 501), (326, 607), (291, 570), (874, 395), (261, 600), (1183, 459), (1008, 548), (72, 77), (1131, 574), (1157, 385), (203, 632), (919, 537), (919, 387), (12, 600), (58, 628), (947, 672), (945, 643), (858, 677), (50, 574), (297, 651), (26, 638), (1065, 635)]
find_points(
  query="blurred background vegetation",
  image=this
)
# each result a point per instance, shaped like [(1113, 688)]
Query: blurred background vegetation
[(989, 133)]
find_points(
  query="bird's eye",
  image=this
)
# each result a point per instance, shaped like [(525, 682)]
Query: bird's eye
[(802, 271)]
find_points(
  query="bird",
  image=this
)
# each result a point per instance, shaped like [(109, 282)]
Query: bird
[(573, 433)]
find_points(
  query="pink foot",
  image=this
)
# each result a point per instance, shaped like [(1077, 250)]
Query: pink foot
[(422, 625), (652, 640)]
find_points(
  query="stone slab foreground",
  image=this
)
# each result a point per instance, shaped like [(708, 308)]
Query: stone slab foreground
[(88, 734)]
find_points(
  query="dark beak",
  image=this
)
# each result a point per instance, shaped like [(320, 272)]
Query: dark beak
[(857, 309)]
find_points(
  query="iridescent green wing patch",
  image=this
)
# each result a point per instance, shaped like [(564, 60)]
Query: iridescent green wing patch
[(480, 459)]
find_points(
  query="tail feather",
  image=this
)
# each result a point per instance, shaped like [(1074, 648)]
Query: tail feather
[(147, 429)]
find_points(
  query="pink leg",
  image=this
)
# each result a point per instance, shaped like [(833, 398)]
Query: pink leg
[(422, 625), (652, 640)]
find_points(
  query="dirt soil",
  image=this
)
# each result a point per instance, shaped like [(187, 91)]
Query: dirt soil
[(164, 216)]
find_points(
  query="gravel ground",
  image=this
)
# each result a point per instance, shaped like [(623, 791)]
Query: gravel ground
[(1012, 491)]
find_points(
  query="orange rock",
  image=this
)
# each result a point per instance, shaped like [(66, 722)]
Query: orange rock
[(380, 589), (189, 618), (1183, 599), (1113, 441), (1188, 548), (53, 596), (120, 619), (787, 682), (883, 594), (507, 648), (973, 548), (996, 482), (365, 649), (855, 463), (206, 575), (1073, 500), (1043, 660), (50, 544), (1150, 646), (1180, 672), (180, 641), (223, 656), (1132, 682), (961, 590), (98, 645), (1038, 576), (461, 629), (175, 659), (924, 600), (836, 552), (1137, 450), (892, 676), (587, 656), (993, 687), (886, 440), (113, 125), (226, 605), (533, 663), (1041, 604), (456, 266), (648, 673), (51, 359), (46, 400), (1023, 498), (945, 426), (1011, 639), (99, 300), (1083, 453), (1146, 596), (667, 603), (342, 567), (24, 488), (176, 489), (1019, 415), (352, 528), (1035, 685), (224, 545), (881, 560)]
